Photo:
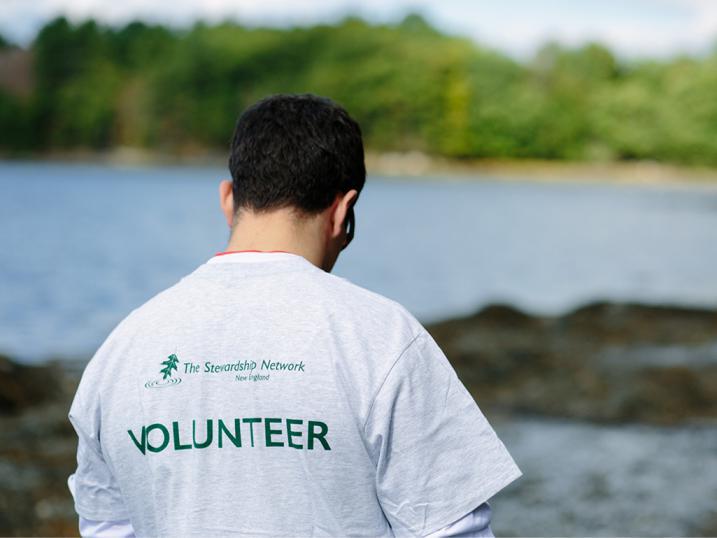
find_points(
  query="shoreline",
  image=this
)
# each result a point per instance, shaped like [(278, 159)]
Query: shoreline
[(415, 165)]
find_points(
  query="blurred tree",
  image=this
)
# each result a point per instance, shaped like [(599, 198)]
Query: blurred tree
[(15, 123), (138, 45), (76, 85), (409, 85), (85, 110)]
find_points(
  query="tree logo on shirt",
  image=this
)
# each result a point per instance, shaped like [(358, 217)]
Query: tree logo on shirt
[(168, 365)]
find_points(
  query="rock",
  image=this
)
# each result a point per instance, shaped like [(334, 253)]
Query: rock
[(37, 451), (24, 386), (607, 362)]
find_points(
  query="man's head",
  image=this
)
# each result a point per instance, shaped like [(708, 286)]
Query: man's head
[(297, 166)]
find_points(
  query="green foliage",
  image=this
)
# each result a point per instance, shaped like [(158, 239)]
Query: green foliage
[(409, 86), (16, 122)]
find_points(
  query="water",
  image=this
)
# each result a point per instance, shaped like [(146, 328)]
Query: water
[(582, 479), (82, 245)]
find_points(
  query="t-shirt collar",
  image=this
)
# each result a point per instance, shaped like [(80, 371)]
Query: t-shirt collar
[(253, 256)]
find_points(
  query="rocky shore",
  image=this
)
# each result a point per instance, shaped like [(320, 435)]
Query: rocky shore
[(37, 449), (605, 364)]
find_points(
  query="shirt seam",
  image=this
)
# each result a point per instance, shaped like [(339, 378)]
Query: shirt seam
[(89, 441), (385, 378)]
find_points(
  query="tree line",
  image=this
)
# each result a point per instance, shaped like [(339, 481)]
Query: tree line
[(410, 87)]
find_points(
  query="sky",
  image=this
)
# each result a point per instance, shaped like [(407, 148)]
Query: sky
[(632, 28)]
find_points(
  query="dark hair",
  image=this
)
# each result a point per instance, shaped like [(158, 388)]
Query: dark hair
[(297, 150)]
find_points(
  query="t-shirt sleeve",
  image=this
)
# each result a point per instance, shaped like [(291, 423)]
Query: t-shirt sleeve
[(106, 529), (436, 456), (93, 485), (474, 524)]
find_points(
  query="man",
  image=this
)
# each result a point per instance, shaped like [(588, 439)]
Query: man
[(263, 396)]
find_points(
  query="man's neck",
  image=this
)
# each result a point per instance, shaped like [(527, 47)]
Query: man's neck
[(277, 230)]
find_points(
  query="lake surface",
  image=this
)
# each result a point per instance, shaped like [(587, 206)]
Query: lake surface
[(582, 479), (82, 245)]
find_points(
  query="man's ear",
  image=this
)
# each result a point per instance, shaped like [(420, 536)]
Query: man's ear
[(342, 204), (226, 201)]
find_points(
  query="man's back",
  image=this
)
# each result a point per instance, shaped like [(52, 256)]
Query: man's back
[(261, 395)]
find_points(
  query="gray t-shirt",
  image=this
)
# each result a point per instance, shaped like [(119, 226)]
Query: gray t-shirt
[(262, 396)]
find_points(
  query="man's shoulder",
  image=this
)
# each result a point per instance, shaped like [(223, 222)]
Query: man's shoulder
[(138, 321), (161, 301), (362, 301), (348, 288), (133, 323)]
